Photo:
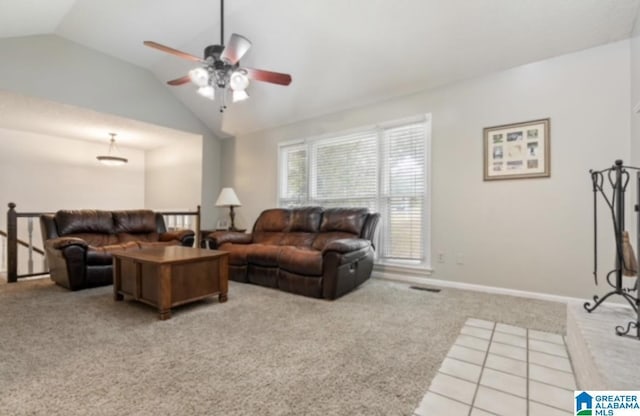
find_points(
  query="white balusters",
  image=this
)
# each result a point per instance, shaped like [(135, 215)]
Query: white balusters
[(30, 247), (3, 254)]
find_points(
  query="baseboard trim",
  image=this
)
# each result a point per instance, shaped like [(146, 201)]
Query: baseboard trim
[(478, 288)]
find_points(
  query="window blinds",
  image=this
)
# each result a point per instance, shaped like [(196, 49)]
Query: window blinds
[(403, 192)]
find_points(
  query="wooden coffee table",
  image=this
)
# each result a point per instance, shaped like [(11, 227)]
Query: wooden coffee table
[(166, 277)]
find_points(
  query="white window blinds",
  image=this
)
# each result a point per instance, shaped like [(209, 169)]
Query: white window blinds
[(403, 192), (382, 168)]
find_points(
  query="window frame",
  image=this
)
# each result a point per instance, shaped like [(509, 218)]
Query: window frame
[(308, 143)]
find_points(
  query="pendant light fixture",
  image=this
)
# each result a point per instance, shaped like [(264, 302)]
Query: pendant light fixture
[(111, 159)]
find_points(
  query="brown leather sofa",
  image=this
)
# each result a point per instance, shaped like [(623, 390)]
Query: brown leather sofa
[(311, 251), (78, 244)]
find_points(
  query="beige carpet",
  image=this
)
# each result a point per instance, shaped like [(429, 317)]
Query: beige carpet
[(264, 352)]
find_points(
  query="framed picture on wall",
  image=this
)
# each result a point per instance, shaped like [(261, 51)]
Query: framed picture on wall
[(517, 151)]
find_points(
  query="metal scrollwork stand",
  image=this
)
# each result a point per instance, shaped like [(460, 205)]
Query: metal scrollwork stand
[(618, 177)]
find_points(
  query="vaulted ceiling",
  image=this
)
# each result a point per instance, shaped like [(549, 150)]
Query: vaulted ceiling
[(341, 54)]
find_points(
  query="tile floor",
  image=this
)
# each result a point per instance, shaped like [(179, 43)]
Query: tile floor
[(504, 370)]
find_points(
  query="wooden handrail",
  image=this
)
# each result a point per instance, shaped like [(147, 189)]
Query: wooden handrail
[(23, 243)]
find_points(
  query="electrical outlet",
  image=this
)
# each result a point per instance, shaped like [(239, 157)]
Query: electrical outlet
[(440, 256), (459, 258)]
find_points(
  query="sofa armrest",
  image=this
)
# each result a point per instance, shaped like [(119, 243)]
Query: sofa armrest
[(63, 242), (218, 238), (346, 245), (179, 235)]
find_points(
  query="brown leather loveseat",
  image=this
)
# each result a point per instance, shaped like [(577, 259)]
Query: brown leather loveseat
[(78, 244), (311, 251)]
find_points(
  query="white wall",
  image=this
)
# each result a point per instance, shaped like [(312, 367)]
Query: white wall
[(635, 92), (173, 176), (533, 234), (59, 70)]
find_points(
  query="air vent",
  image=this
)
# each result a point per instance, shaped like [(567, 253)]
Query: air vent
[(426, 289)]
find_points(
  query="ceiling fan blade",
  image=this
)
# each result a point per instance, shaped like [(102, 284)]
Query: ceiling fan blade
[(236, 48), (268, 76), (179, 81), (172, 51)]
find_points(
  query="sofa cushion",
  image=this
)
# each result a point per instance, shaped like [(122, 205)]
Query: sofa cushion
[(134, 221), (97, 239), (264, 255), (301, 260), (273, 220), (151, 244), (145, 237), (272, 238), (348, 220), (323, 239), (237, 253), (97, 256), (297, 239), (306, 219), (84, 221)]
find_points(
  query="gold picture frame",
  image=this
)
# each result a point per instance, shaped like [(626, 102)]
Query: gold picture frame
[(517, 151)]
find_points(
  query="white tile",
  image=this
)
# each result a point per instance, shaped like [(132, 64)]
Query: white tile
[(434, 404), (502, 404), (550, 376), (515, 340), (546, 336), (510, 351), (510, 329), (457, 368), (508, 365), (504, 382), (551, 395), (467, 354), (480, 323), (476, 332), (453, 388), (477, 412), (551, 361), (538, 409), (472, 342), (547, 347)]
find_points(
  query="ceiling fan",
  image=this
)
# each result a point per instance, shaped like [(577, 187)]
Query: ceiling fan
[(220, 68)]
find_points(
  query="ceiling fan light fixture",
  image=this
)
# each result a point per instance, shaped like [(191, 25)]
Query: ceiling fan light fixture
[(239, 95), (208, 92), (199, 76), (110, 159), (238, 81)]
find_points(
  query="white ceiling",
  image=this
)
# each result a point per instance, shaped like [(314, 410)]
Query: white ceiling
[(341, 54), (19, 112)]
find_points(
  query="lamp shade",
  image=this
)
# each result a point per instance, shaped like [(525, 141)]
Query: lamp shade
[(228, 198)]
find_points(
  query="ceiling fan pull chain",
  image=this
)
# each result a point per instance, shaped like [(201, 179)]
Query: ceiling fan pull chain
[(223, 104)]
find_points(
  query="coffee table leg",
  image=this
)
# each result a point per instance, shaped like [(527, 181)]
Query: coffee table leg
[(164, 295), (116, 280), (223, 273)]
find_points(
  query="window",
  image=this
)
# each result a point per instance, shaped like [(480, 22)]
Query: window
[(383, 168)]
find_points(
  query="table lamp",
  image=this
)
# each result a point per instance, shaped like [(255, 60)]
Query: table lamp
[(228, 198)]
